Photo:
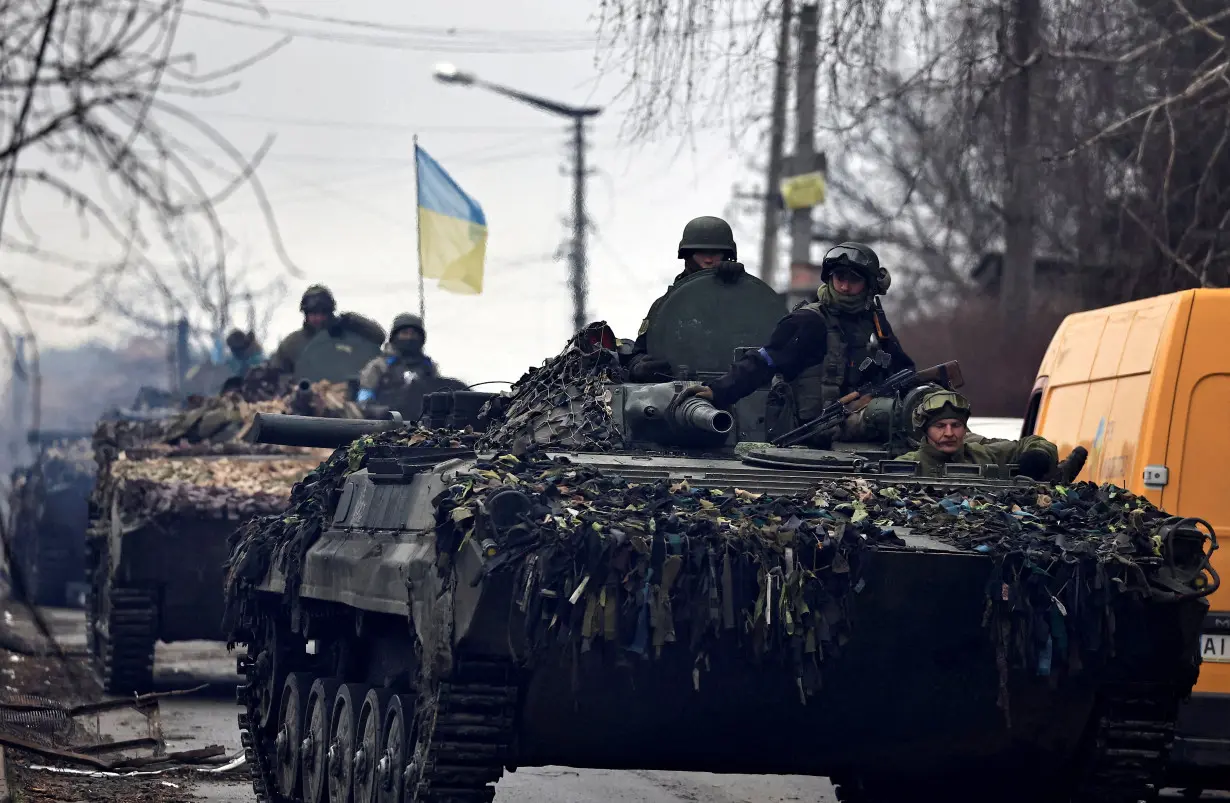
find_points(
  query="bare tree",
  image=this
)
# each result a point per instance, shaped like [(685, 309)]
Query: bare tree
[(91, 88)]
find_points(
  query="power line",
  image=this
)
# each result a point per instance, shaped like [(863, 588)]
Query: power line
[(410, 29), (308, 122), (447, 45)]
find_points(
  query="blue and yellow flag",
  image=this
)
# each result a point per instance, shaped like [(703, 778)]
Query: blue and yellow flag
[(452, 229)]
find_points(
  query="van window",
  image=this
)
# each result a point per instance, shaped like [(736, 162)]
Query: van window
[(1031, 412)]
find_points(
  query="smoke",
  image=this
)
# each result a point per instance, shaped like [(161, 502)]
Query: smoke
[(79, 384)]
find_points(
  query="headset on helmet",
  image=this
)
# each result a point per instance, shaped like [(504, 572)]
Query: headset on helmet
[(862, 260)]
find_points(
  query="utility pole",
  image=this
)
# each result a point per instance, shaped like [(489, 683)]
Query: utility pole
[(777, 135), (578, 258), (1016, 280), (805, 128)]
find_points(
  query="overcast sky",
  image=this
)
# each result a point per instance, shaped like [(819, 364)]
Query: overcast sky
[(341, 172)]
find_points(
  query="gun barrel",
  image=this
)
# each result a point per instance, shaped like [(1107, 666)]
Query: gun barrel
[(320, 433), (698, 414)]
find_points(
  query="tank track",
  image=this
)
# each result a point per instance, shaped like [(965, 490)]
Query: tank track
[(471, 733), (1131, 745), (472, 723), (125, 654), (123, 657), (258, 755), (1127, 752)]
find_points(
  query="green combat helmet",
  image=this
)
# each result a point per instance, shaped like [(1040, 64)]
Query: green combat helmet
[(708, 234), (317, 298), (408, 321)]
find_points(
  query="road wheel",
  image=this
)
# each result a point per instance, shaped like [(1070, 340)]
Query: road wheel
[(314, 751), (343, 741), (396, 742), (291, 719), (367, 756)]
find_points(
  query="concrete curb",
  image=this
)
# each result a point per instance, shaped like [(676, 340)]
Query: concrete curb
[(5, 797)]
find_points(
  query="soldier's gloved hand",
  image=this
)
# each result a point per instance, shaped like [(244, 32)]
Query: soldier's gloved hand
[(703, 391), (649, 369), (1036, 464), (729, 271)]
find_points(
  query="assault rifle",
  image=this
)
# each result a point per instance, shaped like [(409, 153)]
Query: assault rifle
[(946, 374)]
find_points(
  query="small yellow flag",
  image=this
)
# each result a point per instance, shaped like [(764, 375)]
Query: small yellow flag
[(804, 191)]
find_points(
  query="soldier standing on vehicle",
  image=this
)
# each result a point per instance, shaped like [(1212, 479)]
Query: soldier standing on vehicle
[(401, 364), (940, 421), (822, 350), (318, 308), (707, 244)]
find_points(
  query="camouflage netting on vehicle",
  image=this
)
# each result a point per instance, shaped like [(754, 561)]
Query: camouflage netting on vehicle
[(565, 402), (226, 419), (633, 568), (211, 488), (197, 463)]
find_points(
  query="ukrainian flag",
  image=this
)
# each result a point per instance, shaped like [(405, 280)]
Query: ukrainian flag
[(452, 229)]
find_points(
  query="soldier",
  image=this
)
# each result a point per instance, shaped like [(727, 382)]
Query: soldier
[(940, 423), (707, 244), (318, 308), (824, 349), (246, 352), (403, 361)]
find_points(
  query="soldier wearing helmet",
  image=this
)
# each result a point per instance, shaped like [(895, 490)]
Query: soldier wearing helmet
[(319, 307), (403, 361), (707, 244), (822, 350), (245, 351), (940, 421)]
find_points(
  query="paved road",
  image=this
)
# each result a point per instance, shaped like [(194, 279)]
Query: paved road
[(208, 718)]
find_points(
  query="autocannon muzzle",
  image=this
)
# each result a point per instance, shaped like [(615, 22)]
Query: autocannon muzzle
[(697, 414)]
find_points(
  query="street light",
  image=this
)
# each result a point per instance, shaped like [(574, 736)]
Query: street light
[(449, 74)]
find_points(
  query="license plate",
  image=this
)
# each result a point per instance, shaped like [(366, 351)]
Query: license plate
[(1215, 647)]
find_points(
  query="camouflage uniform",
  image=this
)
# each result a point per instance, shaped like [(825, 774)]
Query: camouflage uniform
[(819, 348), (397, 367), (318, 298), (1034, 449)]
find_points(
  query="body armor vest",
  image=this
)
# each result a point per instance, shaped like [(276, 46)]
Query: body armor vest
[(837, 374)]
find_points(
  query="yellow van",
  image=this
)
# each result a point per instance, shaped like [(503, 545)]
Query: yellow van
[(1145, 387)]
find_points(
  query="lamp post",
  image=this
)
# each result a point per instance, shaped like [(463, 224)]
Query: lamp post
[(449, 74)]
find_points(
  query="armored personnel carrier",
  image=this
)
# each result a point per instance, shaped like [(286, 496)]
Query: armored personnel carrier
[(168, 492), (50, 506), (587, 573), (49, 516)]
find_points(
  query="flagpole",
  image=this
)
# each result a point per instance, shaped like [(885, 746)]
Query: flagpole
[(418, 233)]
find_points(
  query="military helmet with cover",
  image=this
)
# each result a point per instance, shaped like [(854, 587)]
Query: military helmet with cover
[(708, 234), (317, 298), (407, 321), (859, 258), (938, 405)]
